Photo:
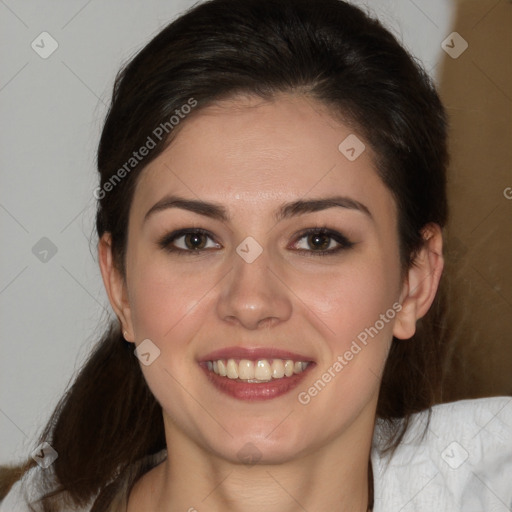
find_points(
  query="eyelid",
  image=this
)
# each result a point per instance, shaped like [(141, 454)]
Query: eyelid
[(165, 242), (343, 242)]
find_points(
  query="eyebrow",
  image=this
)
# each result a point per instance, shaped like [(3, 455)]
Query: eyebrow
[(285, 211)]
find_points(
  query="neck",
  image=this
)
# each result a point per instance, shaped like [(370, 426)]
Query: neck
[(330, 477)]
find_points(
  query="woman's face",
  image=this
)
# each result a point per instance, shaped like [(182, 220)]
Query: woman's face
[(253, 286)]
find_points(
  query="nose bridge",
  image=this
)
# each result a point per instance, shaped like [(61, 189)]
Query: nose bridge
[(253, 295)]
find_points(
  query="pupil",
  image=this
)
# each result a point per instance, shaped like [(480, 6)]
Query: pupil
[(320, 241), (195, 241)]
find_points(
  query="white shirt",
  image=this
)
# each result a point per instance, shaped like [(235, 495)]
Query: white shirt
[(462, 464)]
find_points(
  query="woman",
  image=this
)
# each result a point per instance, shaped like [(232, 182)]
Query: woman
[(270, 214)]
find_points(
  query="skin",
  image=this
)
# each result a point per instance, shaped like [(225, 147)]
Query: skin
[(251, 156)]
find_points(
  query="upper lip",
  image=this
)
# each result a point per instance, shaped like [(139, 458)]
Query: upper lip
[(253, 353)]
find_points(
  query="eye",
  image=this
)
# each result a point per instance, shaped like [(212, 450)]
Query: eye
[(322, 241), (189, 241), (319, 241)]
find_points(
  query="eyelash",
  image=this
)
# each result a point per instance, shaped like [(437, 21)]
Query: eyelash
[(344, 243)]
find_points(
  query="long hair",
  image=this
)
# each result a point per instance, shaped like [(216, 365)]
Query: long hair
[(329, 51)]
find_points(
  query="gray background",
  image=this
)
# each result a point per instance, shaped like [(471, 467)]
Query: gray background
[(51, 312)]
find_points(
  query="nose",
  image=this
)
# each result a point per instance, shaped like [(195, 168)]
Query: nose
[(254, 295)]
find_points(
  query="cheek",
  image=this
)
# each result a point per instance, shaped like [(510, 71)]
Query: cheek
[(162, 300), (163, 289), (355, 308), (347, 297), (360, 308), (168, 307), (351, 299)]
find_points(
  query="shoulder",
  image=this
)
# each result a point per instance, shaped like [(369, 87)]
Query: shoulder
[(25, 492), (21, 494), (463, 462)]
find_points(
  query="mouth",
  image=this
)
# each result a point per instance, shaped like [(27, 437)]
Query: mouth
[(255, 374)]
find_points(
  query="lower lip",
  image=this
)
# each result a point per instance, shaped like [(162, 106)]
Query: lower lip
[(257, 390)]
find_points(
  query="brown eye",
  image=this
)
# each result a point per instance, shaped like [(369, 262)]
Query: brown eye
[(319, 241), (195, 241), (188, 241), (322, 242)]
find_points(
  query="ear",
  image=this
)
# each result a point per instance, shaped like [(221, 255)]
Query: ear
[(421, 283), (115, 285)]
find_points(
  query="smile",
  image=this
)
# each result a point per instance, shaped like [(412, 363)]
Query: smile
[(261, 370), (255, 374)]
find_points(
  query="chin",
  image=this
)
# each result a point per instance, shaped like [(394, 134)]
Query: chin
[(264, 444)]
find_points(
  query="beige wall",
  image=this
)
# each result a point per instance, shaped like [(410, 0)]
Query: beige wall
[(476, 88)]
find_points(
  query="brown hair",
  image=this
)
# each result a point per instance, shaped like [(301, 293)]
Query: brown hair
[(329, 50)]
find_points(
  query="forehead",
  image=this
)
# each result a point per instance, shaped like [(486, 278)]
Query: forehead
[(262, 153)]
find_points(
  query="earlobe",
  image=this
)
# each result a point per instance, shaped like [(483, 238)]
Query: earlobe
[(422, 282), (115, 286)]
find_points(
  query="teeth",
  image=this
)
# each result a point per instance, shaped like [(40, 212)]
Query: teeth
[(261, 370), (222, 370), (277, 369), (246, 369), (288, 368), (232, 369)]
